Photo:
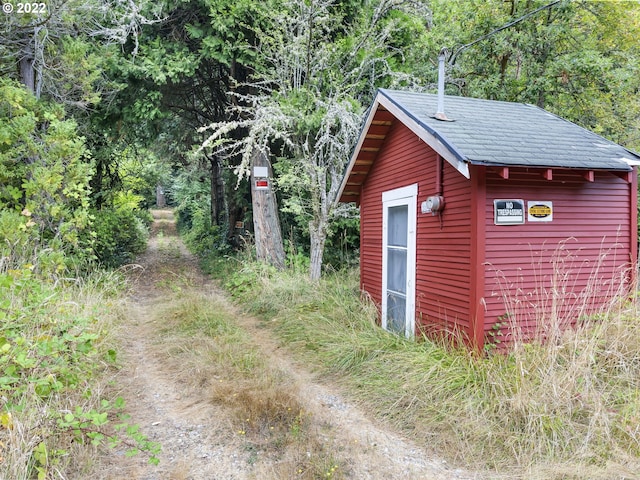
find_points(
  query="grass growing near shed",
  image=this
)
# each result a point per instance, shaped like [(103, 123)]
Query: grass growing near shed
[(568, 409)]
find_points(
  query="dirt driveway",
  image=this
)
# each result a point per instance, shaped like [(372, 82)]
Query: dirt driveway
[(198, 436)]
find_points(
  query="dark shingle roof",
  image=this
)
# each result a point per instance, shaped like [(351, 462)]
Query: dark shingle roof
[(490, 132), (483, 132)]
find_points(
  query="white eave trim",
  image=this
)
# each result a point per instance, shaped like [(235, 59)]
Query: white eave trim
[(631, 162), (426, 136), (418, 129)]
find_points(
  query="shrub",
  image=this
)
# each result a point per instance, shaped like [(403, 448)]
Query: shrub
[(202, 237), (44, 174), (55, 359), (119, 236), (18, 238), (194, 223)]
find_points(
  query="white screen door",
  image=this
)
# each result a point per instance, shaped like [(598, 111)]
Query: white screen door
[(398, 259)]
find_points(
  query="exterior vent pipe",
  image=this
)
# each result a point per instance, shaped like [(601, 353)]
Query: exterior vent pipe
[(440, 115)]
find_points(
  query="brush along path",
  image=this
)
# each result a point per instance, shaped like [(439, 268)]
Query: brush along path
[(182, 396)]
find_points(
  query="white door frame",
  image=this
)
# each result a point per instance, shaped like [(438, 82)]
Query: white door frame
[(401, 196)]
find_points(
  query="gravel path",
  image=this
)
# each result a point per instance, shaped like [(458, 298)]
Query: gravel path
[(197, 438)]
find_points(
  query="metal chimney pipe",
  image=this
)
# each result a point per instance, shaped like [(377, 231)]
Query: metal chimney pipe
[(440, 115)]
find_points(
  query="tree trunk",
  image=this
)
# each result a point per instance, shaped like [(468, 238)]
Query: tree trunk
[(160, 197), (266, 224), (318, 234), (217, 191), (27, 64), (27, 72)]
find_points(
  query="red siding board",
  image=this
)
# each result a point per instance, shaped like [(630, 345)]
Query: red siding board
[(580, 254), (470, 272), (442, 241)]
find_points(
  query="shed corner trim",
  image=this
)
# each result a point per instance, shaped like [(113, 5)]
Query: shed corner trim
[(354, 155)]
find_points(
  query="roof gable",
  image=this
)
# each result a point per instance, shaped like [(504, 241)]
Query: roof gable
[(483, 132)]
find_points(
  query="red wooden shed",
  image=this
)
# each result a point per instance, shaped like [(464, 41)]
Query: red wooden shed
[(503, 218)]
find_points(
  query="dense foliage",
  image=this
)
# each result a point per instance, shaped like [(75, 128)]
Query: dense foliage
[(306, 71), (577, 59), (120, 230), (44, 176), (292, 80), (55, 353)]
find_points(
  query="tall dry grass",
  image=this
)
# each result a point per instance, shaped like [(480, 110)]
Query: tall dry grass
[(562, 409), (557, 289)]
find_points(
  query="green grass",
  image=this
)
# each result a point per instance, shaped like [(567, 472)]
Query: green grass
[(567, 409)]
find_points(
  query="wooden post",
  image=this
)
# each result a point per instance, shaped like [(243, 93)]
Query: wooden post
[(266, 224), (160, 198), (216, 191)]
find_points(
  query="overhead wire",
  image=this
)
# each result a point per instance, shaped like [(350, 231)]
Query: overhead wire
[(454, 55)]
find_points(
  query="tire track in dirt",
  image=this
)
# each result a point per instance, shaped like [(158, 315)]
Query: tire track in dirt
[(197, 437)]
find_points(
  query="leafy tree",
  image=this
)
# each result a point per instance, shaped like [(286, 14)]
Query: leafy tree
[(178, 80), (44, 176), (60, 54), (56, 49), (316, 63), (576, 58)]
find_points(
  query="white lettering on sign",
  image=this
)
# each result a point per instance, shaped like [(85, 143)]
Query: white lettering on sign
[(508, 212)]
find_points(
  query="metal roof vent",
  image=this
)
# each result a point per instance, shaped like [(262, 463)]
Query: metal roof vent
[(440, 115)]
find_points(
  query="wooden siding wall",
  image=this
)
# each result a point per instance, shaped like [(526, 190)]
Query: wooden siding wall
[(547, 274), (443, 241)]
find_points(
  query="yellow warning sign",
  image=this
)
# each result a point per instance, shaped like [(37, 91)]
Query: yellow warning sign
[(540, 211)]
